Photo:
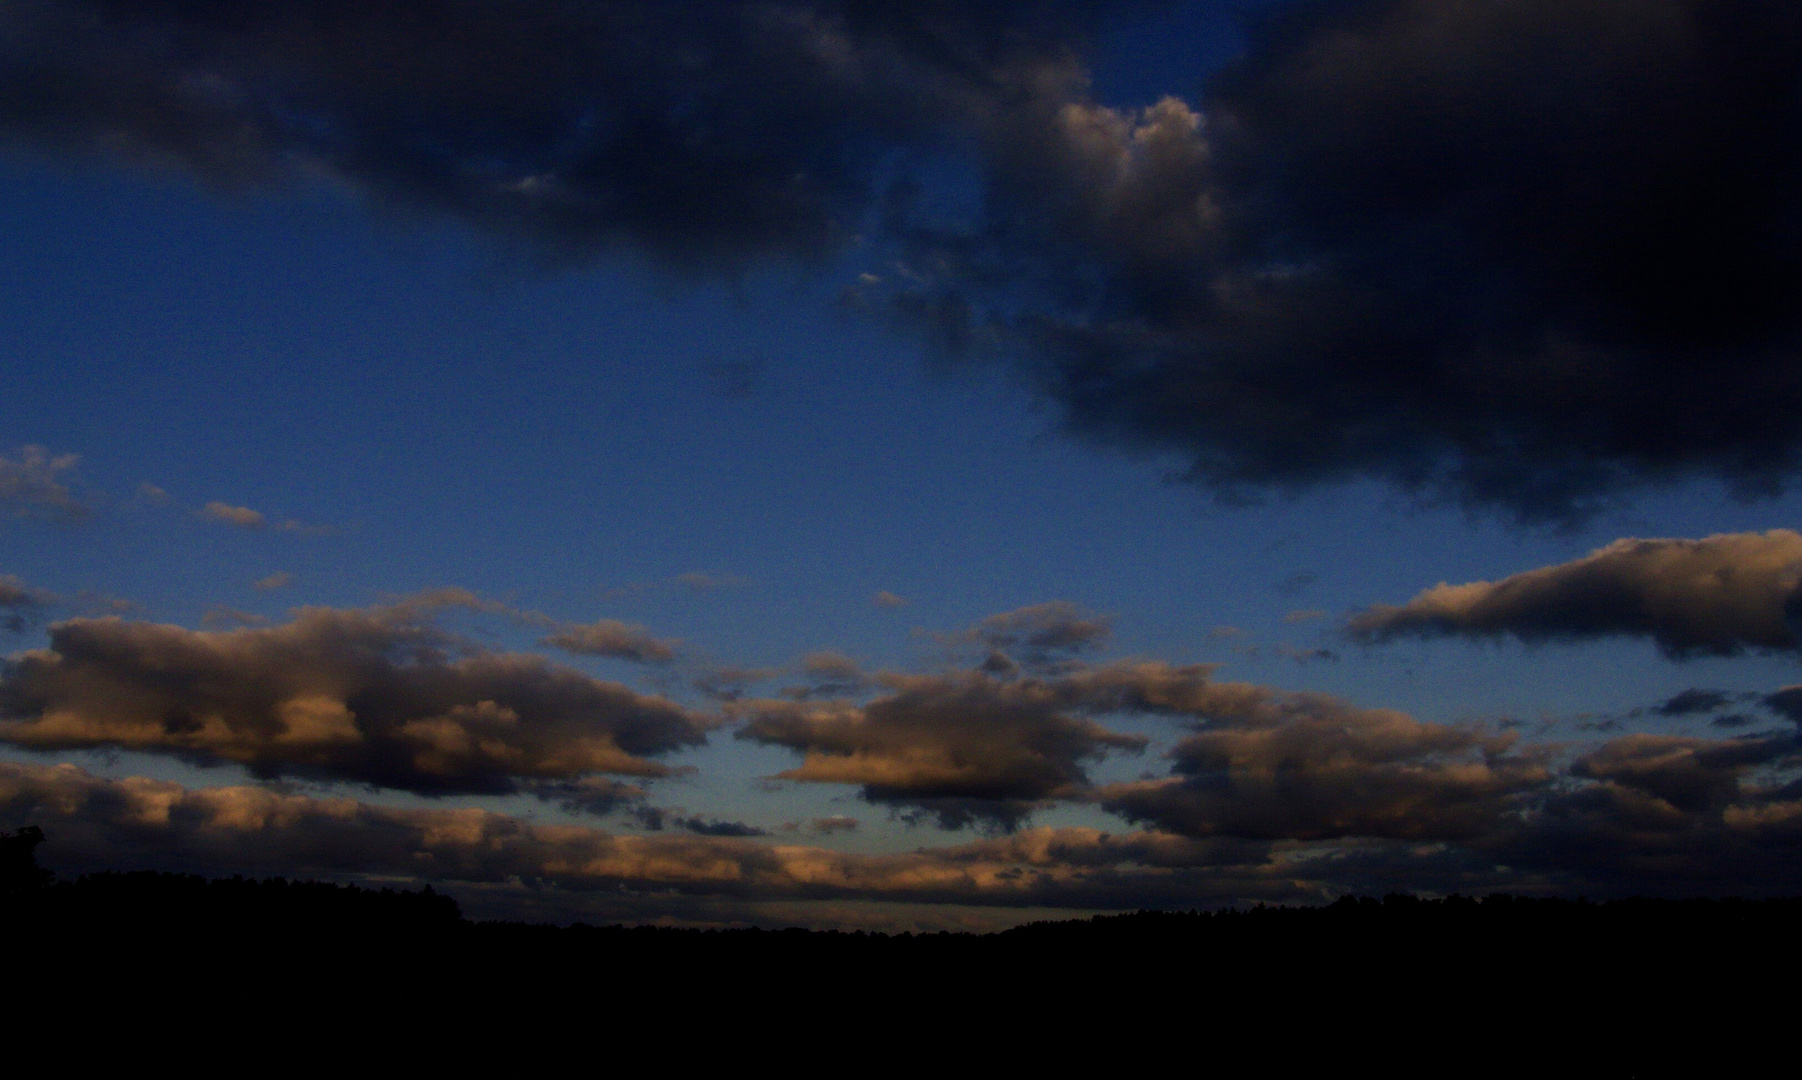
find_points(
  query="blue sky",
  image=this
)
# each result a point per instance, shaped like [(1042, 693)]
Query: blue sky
[(739, 461)]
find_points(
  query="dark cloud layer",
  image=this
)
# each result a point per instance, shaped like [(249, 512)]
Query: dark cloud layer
[(1520, 253), (704, 132), (965, 747), (374, 696), (1719, 596), (1312, 767)]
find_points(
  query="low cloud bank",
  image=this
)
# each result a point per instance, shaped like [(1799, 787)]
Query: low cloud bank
[(376, 696), (1719, 596)]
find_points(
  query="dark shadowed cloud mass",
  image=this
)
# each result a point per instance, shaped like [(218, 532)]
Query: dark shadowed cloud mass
[(1520, 254), (1309, 767), (965, 748), (1719, 596), (375, 696), (1517, 254)]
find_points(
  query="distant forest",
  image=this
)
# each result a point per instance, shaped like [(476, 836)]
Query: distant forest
[(1571, 971)]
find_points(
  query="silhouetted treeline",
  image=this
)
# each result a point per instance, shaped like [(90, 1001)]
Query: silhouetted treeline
[(1626, 987)]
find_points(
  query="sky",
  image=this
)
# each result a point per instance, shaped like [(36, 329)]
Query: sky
[(841, 464)]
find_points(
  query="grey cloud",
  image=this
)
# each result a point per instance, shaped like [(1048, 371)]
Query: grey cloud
[(1786, 703), (1521, 254), (701, 581), (1270, 765), (706, 133), (1598, 836), (34, 483), (609, 637), (19, 603), (1041, 637), (729, 683), (97, 823), (886, 599), (244, 517), (1720, 596), (1688, 774), (375, 696), (279, 580), (241, 516), (597, 795), (657, 819), (965, 748), (1692, 701)]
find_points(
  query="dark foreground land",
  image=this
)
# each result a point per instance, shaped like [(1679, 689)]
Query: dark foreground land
[(1397, 986)]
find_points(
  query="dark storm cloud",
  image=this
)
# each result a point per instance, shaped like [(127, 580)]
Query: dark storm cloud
[(376, 696), (34, 483), (705, 132), (1527, 254), (1720, 596)]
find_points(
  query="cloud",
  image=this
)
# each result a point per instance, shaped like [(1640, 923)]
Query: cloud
[(241, 516), (1694, 700), (279, 580), (609, 637), (838, 823), (886, 599), (1040, 638), (1269, 765), (1522, 254), (701, 581), (245, 518), (34, 484), (706, 133), (375, 696), (19, 603), (1720, 596), (597, 795), (1786, 703), (95, 823), (965, 748), (656, 819)]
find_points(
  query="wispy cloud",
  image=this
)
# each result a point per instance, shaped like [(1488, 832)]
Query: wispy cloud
[(35, 483)]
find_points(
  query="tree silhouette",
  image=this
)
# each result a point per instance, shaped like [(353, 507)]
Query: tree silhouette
[(19, 869)]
